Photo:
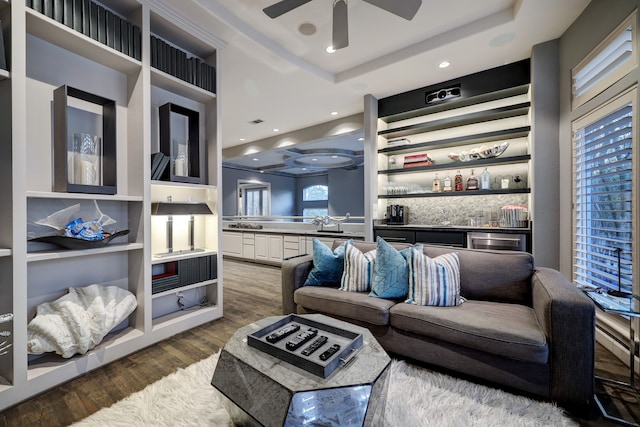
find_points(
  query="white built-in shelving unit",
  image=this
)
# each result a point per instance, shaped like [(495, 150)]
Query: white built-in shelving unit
[(44, 55)]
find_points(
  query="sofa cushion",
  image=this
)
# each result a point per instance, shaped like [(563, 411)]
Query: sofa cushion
[(500, 276), (508, 330), (434, 281), (349, 305), (358, 269), (390, 271), (327, 264)]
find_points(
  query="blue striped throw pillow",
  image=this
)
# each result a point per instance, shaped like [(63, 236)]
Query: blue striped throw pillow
[(358, 269), (434, 281)]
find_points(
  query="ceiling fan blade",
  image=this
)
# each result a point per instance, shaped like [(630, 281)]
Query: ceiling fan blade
[(340, 25), (406, 9), (283, 7)]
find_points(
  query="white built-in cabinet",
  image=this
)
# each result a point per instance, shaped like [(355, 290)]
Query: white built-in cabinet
[(43, 55)]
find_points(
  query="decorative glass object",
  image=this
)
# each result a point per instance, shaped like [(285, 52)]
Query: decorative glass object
[(85, 160)]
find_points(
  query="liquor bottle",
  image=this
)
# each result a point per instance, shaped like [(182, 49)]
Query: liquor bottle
[(435, 185), (485, 180), (446, 184), (457, 182), (472, 182)]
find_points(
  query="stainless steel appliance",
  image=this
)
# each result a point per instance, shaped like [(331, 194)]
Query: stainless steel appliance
[(500, 241)]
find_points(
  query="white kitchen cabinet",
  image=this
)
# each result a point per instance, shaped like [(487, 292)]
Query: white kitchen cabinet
[(232, 243)]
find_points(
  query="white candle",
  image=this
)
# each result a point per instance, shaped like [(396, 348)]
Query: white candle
[(179, 167)]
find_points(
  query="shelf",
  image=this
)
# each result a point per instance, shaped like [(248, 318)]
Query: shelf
[(59, 34), (82, 196), (184, 255), (188, 316), (180, 87), (460, 165), (480, 138), (62, 254), (462, 120), (5, 252), (53, 364), (184, 288), (456, 193), (4, 74), (172, 184)]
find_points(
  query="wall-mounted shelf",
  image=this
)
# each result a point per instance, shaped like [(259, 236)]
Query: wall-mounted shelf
[(456, 193), (460, 165), (482, 138), (81, 196), (462, 120)]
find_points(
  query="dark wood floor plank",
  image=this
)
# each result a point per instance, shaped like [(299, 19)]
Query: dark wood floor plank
[(251, 292)]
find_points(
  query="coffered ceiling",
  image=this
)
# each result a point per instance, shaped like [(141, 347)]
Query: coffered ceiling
[(272, 73)]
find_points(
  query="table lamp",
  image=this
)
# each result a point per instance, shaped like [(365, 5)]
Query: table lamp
[(170, 208)]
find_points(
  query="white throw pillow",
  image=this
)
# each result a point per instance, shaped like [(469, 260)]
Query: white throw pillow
[(434, 281)]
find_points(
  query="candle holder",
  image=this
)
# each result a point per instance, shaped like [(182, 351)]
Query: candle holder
[(84, 152), (180, 140)]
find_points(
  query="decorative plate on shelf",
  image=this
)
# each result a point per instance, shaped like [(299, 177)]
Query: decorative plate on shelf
[(75, 243), (483, 152)]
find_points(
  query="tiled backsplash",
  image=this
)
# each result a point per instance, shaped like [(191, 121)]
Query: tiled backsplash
[(457, 209)]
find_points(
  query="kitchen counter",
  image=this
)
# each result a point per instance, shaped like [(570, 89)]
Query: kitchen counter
[(292, 231), (436, 227)]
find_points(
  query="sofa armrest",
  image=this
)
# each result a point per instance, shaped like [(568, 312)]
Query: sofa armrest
[(567, 317), (294, 273)]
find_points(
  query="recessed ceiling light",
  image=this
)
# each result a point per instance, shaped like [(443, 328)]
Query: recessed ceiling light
[(315, 160), (334, 157), (242, 139), (261, 171), (361, 139), (304, 169), (255, 159), (444, 64), (330, 49), (276, 130), (334, 113)]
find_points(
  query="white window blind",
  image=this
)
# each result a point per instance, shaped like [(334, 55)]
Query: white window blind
[(611, 60), (603, 194)]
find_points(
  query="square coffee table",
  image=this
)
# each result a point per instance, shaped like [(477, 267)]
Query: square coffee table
[(264, 390)]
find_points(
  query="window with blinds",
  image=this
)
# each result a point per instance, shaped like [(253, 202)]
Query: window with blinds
[(606, 64), (603, 147)]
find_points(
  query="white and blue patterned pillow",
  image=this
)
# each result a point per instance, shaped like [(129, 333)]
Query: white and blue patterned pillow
[(434, 281), (327, 264), (358, 269), (391, 271)]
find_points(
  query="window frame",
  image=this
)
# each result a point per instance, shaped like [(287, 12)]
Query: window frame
[(629, 96), (616, 73)]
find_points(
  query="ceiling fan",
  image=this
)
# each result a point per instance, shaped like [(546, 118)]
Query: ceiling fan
[(406, 9)]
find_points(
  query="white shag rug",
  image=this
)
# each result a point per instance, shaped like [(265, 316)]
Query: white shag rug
[(416, 397)]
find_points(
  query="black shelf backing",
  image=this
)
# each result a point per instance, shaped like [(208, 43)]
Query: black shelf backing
[(479, 138), (460, 165), (463, 120), (456, 193)]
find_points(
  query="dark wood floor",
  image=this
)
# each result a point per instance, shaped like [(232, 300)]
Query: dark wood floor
[(251, 292)]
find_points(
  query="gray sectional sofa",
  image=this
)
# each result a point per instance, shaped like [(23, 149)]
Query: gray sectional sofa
[(522, 327)]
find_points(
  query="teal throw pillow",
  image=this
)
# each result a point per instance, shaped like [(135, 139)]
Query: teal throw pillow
[(327, 265), (391, 271)]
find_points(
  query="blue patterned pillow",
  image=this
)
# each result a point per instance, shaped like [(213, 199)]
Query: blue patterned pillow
[(391, 271), (327, 264), (434, 281), (358, 269)]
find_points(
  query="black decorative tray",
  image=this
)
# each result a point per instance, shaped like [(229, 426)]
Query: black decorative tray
[(348, 341), (75, 243)]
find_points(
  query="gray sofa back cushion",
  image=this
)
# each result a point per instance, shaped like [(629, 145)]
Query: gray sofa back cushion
[(501, 276)]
